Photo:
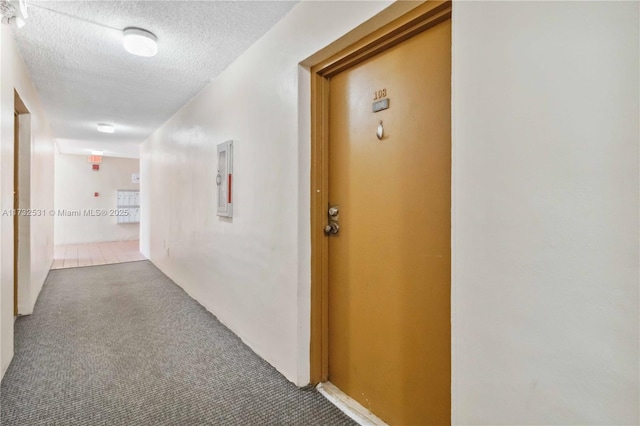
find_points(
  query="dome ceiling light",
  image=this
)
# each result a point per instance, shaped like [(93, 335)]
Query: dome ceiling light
[(139, 42), (106, 128)]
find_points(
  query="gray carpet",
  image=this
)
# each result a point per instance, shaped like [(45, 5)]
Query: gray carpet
[(123, 345)]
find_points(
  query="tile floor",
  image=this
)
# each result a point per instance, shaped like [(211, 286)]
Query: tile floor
[(76, 255)]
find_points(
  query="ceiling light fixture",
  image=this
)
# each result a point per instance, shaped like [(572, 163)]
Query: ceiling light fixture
[(139, 42), (97, 152), (106, 128)]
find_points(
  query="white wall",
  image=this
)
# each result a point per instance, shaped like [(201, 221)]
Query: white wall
[(75, 185), (545, 213), (13, 74)]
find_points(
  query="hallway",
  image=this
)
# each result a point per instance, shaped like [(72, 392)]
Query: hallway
[(427, 208), (123, 345)]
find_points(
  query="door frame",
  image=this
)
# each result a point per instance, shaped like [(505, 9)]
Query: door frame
[(16, 205), (21, 141), (406, 26)]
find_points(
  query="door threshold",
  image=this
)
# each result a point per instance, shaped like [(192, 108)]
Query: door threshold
[(349, 406)]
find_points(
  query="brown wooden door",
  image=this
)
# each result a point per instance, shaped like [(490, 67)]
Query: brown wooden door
[(389, 266)]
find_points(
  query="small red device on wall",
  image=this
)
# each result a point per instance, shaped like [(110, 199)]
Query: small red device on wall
[(96, 167), (96, 194)]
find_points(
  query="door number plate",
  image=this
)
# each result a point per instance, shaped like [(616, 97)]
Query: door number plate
[(380, 105)]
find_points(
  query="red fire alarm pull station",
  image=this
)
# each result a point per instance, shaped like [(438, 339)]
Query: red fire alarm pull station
[(96, 167), (96, 194)]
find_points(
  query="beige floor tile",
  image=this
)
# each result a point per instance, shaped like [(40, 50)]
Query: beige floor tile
[(77, 255)]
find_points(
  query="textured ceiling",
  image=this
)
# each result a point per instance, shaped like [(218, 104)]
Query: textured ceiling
[(84, 76)]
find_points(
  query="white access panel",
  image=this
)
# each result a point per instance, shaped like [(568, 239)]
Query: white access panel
[(224, 179)]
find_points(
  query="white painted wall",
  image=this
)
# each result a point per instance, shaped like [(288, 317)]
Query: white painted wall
[(13, 74), (75, 185), (545, 213)]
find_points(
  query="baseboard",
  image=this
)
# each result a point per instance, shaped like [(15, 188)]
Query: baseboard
[(349, 406)]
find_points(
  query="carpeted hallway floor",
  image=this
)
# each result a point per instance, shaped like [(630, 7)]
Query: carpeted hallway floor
[(123, 345)]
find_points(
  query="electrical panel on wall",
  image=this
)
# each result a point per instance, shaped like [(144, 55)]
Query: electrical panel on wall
[(128, 210), (224, 179)]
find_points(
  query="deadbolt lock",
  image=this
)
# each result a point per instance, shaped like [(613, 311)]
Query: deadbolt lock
[(332, 228)]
